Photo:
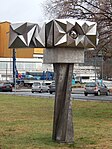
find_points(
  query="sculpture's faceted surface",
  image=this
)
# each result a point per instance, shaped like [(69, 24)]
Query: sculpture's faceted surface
[(65, 33), (27, 35), (72, 33)]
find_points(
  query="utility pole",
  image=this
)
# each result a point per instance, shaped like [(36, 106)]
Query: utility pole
[(14, 67), (6, 72), (102, 64), (95, 66)]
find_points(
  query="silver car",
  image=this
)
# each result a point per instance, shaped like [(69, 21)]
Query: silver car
[(52, 87), (39, 87), (96, 88)]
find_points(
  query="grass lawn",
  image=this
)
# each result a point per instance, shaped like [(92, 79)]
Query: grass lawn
[(26, 123)]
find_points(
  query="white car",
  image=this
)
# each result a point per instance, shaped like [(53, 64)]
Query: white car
[(39, 87)]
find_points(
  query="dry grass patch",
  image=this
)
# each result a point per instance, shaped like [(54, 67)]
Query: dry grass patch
[(26, 123)]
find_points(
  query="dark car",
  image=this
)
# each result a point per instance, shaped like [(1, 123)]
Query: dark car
[(5, 87), (96, 88), (52, 87)]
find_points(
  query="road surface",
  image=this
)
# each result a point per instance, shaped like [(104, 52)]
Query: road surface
[(75, 95)]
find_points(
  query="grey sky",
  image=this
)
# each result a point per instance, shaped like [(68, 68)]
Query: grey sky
[(16, 11)]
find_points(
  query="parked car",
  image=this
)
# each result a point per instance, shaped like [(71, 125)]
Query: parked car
[(96, 88), (39, 87), (52, 87), (5, 87), (108, 84)]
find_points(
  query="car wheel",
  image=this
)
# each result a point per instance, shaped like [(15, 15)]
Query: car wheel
[(85, 94), (32, 91), (107, 93), (50, 92), (40, 91), (98, 93)]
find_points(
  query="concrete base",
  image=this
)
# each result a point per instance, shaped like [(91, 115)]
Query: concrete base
[(63, 55)]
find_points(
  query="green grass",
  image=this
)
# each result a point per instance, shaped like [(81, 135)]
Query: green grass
[(26, 123)]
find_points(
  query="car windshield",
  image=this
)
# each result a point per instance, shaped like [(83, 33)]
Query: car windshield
[(53, 83), (7, 83), (91, 84), (36, 83)]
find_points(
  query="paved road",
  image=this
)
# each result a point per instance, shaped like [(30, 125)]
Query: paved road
[(92, 97), (75, 95)]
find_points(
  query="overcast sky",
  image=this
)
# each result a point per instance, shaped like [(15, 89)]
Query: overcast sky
[(16, 11)]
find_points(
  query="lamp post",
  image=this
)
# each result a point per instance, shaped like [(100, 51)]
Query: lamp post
[(14, 67), (95, 67), (6, 72), (102, 65)]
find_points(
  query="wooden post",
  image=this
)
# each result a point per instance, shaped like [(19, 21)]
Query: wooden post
[(63, 131)]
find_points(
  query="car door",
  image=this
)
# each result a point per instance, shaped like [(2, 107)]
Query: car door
[(44, 87), (103, 88)]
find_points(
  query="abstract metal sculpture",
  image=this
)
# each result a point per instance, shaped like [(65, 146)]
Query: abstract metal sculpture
[(65, 41), (56, 33)]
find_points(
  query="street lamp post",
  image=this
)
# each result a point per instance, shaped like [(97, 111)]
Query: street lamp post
[(95, 67), (102, 65), (14, 67), (6, 72)]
